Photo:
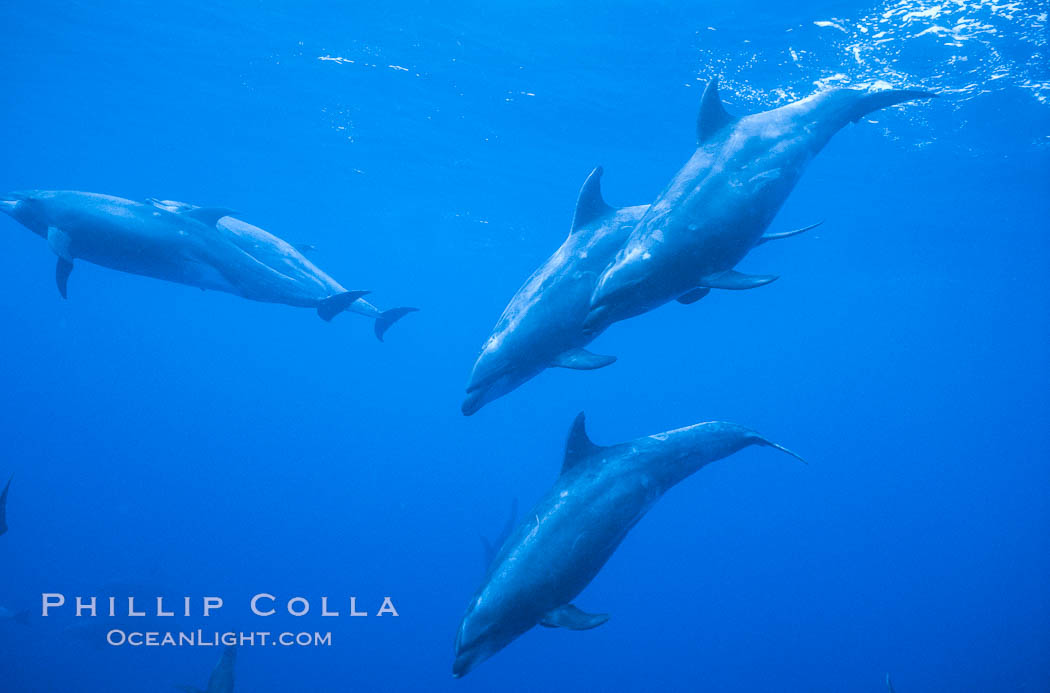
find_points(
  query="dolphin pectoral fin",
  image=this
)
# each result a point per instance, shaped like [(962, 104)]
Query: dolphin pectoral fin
[(334, 305), (581, 360), (387, 318), (62, 270), (570, 617), (209, 216), (693, 295), (736, 281), (59, 242), (786, 234)]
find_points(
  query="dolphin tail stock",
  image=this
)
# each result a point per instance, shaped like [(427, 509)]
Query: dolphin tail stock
[(869, 102), (386, 319), (334, 305)]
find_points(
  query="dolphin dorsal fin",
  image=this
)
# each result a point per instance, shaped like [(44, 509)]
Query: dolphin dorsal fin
[(579, 446), (589, 204), (713, 115), (209, 216)]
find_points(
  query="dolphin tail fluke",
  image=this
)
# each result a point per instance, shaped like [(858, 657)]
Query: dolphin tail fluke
[(387, 318), (873, 101), (334, 305)]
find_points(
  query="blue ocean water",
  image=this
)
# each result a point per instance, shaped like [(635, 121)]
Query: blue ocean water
[(170, 441)]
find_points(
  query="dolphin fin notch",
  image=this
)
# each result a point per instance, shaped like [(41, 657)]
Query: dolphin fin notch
[(693, 295), (571, 617), (581, 360), (387, 318), (578, 446), (209, 216), (334, 305), (736, 281), (589, 204), (713, 115), (787, 234)]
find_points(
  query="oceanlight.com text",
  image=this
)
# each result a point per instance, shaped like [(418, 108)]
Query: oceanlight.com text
[(200, 638)]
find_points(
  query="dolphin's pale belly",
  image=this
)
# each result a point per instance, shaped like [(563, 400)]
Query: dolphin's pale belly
[(170, 254)]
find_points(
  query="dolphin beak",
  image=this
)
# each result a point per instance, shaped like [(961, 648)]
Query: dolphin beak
[(8, 206), (466, 661), (474, 401)]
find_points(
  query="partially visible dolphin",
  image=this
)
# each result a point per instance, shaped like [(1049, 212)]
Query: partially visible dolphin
[(572, 531), (718, 205), (221, 680), (3, 506), (304, 279), (19, 617), (542, 325), (188, 248)]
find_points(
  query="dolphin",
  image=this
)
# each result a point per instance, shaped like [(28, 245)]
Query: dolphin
[(717, 207), (601, 493), (542, 325), (221, 680), (187, 247), (304, 277), (3, 506)]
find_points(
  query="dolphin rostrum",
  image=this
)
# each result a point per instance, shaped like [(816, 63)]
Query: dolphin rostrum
[(3, 506), (601, 493), (198, 246), (221, 680), (542, 326), (718, 205)]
